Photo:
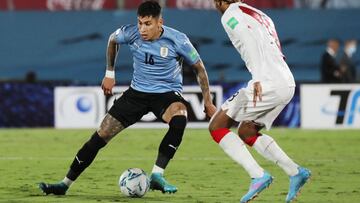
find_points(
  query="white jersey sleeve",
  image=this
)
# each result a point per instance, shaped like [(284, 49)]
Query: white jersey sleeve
[(254, 36), (245, 43)]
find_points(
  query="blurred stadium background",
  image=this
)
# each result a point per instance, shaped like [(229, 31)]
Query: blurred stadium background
[(49, 43), (52, 61)]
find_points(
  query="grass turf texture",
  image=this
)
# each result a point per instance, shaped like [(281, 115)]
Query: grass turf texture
[(200, 169)]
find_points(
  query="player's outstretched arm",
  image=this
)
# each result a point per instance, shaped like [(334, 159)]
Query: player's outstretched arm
[(203, 81), (111, 52)]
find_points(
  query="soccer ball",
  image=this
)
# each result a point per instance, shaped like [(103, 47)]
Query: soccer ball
[(134, 182)]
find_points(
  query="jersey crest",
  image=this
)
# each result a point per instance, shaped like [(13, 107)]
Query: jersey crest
[(164, 51)]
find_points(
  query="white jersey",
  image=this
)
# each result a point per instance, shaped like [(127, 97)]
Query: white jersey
[(254, 36)]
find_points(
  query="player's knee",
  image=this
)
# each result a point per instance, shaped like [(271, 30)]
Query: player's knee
[(105, 134), (175, 109), (217, 122), (248, 132), (219, 126), (178, 121), (212, 126), (213, 129), (178, 108), (246, 129)]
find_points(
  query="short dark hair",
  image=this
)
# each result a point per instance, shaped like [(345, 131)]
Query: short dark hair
[(149, 8)]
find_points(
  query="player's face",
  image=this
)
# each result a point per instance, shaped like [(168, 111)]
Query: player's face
[(149, 27)]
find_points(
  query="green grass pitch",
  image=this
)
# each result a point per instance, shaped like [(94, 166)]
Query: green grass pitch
[(200, 169)]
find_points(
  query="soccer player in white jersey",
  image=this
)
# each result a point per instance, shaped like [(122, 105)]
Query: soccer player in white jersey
[(156, 87), (253, 35)]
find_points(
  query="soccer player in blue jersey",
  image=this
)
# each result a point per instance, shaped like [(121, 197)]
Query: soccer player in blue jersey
[(156, 86)]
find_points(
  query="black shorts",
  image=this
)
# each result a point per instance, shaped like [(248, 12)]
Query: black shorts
[(133, 104)]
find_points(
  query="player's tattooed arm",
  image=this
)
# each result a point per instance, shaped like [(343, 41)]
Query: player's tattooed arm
[(109, 128), (112, 50), (109, 80), (203, 81)]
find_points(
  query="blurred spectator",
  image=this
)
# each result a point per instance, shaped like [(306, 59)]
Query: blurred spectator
[(271, 3), (337, 4), (133, 4), (207, 4), (30, 77), (347, 66), (310, 3), (60, 5), (330, 72), (195, 4), (57, 5)]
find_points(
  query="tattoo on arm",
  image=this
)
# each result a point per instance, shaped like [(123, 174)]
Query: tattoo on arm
[(203, 80), (111, 53), (110, 127)]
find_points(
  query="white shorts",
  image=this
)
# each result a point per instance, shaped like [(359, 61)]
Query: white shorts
[(240, 106)]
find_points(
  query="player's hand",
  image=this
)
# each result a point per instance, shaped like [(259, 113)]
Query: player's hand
[(107, 85), (257, 92), (210, 110)]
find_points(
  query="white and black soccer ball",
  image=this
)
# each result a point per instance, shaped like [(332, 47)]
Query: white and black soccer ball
[(134, 182)]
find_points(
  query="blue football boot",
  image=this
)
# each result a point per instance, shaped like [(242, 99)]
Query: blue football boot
[(56, 189), (257, 185), (297, 182), (158, 182)]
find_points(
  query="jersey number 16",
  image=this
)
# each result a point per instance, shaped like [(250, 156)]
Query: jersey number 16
[(149, 60)]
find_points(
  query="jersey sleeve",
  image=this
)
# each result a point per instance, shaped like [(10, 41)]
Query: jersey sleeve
[(125, 33), (246, 43), (186, 50)]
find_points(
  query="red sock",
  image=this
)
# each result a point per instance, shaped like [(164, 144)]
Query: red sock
[(218, 134), (251, 140)]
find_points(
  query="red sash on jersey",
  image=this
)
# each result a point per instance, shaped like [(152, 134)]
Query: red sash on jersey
[(263, 21)]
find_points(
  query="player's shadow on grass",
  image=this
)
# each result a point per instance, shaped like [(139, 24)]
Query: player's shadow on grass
[(22, 193), (118, 198), (32, 193)]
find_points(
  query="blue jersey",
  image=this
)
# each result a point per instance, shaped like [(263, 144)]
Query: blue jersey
[(157, 64)]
